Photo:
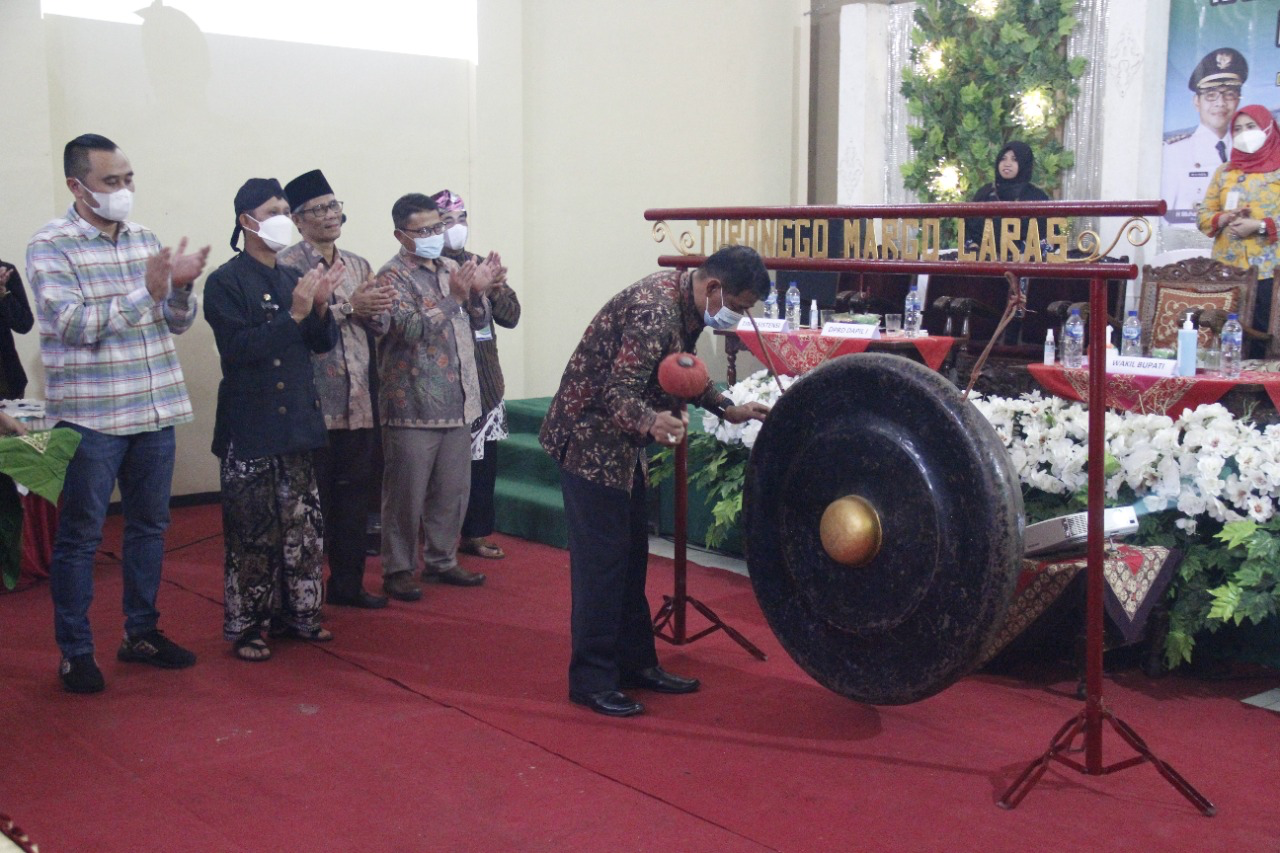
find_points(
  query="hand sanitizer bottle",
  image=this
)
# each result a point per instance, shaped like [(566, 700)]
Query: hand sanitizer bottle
[(1187, 348), (1050, 349)]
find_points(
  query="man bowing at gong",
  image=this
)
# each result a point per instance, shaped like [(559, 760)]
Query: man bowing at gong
[(609, 407)]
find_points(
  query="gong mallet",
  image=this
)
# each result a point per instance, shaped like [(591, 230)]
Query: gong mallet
[(684, 376)]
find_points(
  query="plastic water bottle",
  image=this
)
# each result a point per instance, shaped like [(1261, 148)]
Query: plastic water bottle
[(1050, 348), (1073, 340), (912, 313), (1232, 344), (793, 306), (771, 302), (1132, 334)]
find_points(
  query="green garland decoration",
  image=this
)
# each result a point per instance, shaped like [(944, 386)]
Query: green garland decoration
[(985, 72)]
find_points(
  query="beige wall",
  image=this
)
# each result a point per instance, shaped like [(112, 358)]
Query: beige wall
[(579, 115)]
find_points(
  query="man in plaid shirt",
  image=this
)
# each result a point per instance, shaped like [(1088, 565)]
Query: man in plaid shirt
[(109, 300)]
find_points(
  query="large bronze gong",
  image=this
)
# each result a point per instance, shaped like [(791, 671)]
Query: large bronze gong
[(883, 528)]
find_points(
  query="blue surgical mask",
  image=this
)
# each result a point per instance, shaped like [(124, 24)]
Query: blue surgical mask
[(725, 318)]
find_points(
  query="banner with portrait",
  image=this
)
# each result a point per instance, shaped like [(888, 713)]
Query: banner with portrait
[(1223, 55)]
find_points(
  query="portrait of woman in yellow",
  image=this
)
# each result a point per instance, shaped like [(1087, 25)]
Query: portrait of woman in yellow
[(1242, 202)]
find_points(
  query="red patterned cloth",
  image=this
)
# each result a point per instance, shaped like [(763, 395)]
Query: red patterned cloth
[(1136, 578), (39, 524), (800, 351), (1151, 395)]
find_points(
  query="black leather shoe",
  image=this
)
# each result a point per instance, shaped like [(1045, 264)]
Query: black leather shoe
[(362, 599), (611, 703), (658, 679)]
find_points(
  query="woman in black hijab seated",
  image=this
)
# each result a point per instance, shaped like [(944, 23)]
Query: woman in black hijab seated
[(1014, 167)]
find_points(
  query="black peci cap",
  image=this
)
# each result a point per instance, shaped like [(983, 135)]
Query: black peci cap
[(305, 187)]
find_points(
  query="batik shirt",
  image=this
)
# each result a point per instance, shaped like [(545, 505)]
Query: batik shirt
[(609, 397), (1260, 191), (107, 345), (342, 373), (426, 360)]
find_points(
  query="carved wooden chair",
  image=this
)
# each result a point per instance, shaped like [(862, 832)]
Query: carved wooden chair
[(1203, 287)]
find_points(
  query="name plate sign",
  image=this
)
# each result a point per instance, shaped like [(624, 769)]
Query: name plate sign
[(1141, 366), (764, 324), (851, 330)]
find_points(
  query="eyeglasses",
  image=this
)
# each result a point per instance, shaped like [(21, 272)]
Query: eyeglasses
[(426, 230), (320, 210), (1217, 96)]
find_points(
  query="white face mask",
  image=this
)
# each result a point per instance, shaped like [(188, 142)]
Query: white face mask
[(725, 318), (114, 206), (276, 231), (455, 237), (1249, 141), (428, 247)]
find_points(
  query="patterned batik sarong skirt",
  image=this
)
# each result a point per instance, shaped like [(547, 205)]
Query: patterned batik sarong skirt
[(274, 536)]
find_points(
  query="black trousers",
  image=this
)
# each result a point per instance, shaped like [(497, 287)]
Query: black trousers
[(1261, 314), (484, 475), (611, 628), (344, 475)]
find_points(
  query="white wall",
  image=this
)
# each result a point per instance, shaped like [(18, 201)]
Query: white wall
[(631, 106), (579, 115)]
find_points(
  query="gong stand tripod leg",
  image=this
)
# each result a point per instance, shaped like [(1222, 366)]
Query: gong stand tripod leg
[(1091, 718), (674, 607), (733, 633)]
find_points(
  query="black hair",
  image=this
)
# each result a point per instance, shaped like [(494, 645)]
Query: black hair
[(739, 268), (75, 156), (407, 205)]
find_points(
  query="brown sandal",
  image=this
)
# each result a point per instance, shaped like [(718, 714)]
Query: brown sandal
[(481, 547), (252, 648)]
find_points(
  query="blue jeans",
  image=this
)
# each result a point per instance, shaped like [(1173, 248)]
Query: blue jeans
[(143, 464)]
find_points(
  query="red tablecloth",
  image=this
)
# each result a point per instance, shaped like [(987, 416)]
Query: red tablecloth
[(798, 352), (1151, 395)]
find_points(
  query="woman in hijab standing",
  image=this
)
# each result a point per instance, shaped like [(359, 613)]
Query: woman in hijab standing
[(1015, 164), (1241, 205)]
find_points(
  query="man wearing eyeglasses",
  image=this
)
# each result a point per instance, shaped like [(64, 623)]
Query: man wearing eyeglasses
[(429, 394), (344, 467), (1191, 158)]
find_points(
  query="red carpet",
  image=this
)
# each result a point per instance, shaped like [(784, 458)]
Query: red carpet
[(443, 726)]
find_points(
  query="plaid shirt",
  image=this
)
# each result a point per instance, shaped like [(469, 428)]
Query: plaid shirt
[(342, 373), (109, 359)]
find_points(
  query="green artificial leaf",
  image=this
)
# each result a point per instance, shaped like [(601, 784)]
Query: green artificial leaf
[(1237, 533), (1264, 548), (1012, 32), (971, 93), (1066, 24), (1255, 607), (1225, 601), (970, 122), (1110, 464), (1177, 648), (1252, 574), (1076, 65)]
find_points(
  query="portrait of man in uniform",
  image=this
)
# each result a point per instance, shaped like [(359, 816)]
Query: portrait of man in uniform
[(1189, 159)]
